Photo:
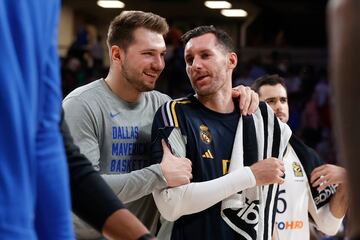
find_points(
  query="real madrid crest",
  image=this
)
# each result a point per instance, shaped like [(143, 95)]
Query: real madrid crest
[(297, 169), (205, 134)]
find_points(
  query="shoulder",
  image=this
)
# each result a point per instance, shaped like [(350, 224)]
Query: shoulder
[(177, 105), (86, 92), (154, 99), (157, 98), (85, 99), (173, 111)]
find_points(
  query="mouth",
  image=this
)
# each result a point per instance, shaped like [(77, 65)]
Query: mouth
[(200, 77), (151, 75)]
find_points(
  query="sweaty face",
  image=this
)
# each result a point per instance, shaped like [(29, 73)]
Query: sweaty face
[(143, 60), (276, 97), (206, 64)]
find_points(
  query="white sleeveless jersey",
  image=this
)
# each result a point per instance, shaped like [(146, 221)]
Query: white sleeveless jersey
[(292, 221), (295, 204)]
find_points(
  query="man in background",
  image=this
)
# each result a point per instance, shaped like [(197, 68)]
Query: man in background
[(307, 178)]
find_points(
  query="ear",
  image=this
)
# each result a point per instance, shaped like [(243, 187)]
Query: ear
[(117, 54), (232, 60)]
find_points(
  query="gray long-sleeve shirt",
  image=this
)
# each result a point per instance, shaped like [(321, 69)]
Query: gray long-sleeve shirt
[(115, 136)]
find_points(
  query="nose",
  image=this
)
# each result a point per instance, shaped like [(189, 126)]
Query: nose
[(196, 64), (278, 105), (158, 64)]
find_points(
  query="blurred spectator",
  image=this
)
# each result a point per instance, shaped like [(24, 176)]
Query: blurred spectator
[(256, 68), (310, 119), (176, 80)]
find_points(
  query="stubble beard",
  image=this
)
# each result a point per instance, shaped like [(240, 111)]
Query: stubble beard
[(135, 82)]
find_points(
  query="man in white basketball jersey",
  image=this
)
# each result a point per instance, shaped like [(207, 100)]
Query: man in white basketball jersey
[(313, 191)]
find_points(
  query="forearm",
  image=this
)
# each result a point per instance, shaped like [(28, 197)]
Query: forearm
[(123, 225), (324, 219), (326, 222), (195, 197), (339, 202), (136, 184)]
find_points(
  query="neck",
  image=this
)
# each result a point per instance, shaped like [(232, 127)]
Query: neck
[(221, 101), (122, 88)]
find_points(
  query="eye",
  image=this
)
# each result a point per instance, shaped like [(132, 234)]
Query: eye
[(147, 53), (283, 100), (205, 55), (270, 101), (189, 60)]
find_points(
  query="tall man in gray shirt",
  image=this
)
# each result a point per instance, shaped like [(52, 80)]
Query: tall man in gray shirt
[(110, 119)]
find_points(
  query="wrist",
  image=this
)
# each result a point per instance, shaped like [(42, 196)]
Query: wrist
[(162, 175)]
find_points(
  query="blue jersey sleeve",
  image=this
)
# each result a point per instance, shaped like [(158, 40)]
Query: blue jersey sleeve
[(34, 199), (53, 220)]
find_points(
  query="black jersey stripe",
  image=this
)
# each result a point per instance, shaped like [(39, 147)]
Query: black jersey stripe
[(264, 114), (249, 141)]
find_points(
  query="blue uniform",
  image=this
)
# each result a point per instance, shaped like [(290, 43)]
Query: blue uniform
[(210, 136), (34, 199)]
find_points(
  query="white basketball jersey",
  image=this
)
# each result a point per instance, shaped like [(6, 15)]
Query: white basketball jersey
[(292, 221)]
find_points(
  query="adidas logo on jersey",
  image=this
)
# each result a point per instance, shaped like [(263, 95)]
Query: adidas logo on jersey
[(208, 154)]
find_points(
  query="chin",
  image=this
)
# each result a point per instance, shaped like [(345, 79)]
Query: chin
[(281, 117), (146, 88), (284, 120), (204, 91)]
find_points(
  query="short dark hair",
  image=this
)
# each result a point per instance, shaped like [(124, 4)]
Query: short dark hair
[(271, 80), (221, 36), (122, 27)]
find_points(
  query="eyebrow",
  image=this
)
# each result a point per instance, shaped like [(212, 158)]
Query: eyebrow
[(205, 51), (153, 50), (272, 98)]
